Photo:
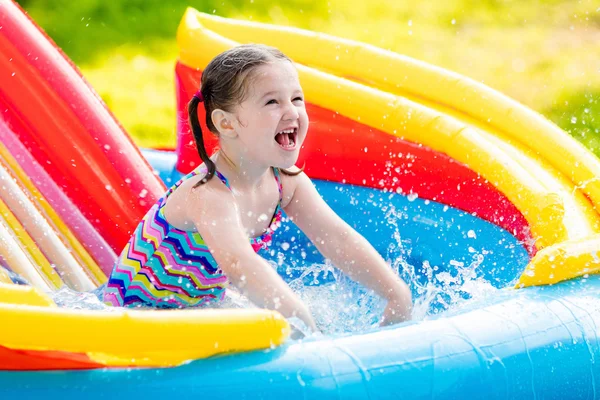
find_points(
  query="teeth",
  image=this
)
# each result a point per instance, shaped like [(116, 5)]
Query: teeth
[(288, 131)]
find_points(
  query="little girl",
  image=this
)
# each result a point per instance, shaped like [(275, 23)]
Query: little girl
[(203, 234)]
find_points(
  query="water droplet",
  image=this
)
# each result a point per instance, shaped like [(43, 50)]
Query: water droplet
[(412, 196)]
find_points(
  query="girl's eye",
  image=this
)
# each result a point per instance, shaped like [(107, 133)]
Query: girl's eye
[(298, 99), (272, 101)]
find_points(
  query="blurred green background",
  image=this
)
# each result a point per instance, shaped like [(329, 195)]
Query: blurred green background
[(543, 53)]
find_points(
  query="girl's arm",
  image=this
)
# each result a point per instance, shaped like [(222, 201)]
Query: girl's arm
[(346, 248), (214, 213)]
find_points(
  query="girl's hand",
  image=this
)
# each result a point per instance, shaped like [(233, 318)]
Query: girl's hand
[(399, 306), (347, 249), (396, 311)]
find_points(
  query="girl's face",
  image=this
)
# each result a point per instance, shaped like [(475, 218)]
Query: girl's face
[(272, 121)]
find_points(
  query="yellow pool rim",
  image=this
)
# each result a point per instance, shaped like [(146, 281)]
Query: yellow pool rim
[(122, 337)]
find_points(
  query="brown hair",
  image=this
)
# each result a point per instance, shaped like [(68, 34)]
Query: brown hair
[(223, 85)]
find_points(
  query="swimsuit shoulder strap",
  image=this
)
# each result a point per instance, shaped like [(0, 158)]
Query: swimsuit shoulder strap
[(223, 179), (196, 171), (277, 173)]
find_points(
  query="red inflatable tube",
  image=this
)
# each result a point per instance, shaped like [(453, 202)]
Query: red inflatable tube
[(70, 132), (40, 360), (339, 149)]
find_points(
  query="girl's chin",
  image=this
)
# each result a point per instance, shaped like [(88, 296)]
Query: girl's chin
[(289, 162)]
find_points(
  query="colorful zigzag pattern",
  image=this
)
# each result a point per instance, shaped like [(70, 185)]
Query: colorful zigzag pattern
[(165, 267)]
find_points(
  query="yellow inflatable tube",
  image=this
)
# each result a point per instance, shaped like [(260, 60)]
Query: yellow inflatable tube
[(24, 295), (405, 76), (29, 247), (4, 278), (17, 260), (563, 261), (553, 206), (83, 257), (140, 338)]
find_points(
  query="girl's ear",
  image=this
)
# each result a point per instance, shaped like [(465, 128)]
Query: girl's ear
[(223, 121)]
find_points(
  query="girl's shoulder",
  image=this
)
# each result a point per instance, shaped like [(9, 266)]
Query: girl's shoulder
[(213, 189), (187, 199)]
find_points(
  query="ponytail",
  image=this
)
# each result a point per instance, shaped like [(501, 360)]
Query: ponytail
[(197, 132)]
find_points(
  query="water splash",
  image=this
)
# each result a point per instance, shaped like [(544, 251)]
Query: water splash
[(69, 298), (337, 303), (340, 305)]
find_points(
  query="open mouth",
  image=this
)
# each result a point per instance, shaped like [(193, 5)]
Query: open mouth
[(287, 138)]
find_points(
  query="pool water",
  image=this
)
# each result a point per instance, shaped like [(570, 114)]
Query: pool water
[(339, 305), (447, 257)]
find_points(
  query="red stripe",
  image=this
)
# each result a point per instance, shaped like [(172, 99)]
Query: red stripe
[(37, 360)]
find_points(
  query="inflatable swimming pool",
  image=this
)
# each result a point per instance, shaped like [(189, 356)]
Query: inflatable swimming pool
[(452, 181)]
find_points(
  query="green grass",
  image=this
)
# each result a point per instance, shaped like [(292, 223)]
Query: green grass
[(85, 29), (579, 114), (542, 53), (139, 89)]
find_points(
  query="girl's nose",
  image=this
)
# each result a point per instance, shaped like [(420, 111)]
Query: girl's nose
[(291, 112)]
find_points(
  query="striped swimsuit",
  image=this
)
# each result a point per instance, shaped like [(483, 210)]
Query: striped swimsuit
[(165, 267)]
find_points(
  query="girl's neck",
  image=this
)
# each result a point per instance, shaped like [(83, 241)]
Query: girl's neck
[(239, 171)]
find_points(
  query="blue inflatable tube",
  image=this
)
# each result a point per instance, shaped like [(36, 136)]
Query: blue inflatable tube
[(538, 343), (533, 343)]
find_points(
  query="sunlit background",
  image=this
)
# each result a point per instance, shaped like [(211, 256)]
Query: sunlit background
[(543, 53)]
